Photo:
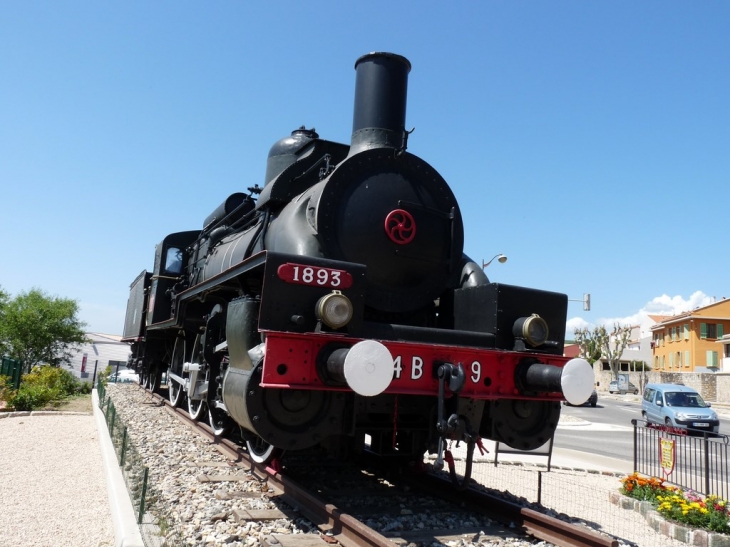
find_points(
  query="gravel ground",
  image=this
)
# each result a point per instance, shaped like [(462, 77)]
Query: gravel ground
[(52, 486)]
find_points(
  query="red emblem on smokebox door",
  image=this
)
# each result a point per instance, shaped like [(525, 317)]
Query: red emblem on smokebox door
[(400, 226)]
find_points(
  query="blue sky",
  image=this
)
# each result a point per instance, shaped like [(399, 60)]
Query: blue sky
[(588, 141)]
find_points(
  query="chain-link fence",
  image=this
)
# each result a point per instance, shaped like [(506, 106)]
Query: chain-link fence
[(135, 473), (577, 495)]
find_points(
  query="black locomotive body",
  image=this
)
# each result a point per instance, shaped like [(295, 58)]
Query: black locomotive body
[(337, 305)]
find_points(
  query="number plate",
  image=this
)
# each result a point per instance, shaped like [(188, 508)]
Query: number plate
[(701, 424), (314, 276)]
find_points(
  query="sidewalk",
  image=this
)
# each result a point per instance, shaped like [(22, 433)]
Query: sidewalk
[(60, 484), (52, 489)]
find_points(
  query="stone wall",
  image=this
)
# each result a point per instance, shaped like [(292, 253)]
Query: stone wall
[(714, 387)]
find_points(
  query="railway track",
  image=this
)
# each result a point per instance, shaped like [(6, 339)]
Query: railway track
[(349, 515)]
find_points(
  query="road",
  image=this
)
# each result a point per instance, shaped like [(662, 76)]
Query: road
[(606, 430)]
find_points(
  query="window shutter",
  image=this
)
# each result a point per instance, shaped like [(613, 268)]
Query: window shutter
[(703, 330), (686, 358), (719, 330), (686, 331)]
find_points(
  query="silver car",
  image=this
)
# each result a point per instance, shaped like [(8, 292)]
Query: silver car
[(613, 388), (678, 406)]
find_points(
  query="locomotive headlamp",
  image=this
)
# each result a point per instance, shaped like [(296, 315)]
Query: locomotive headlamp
[(534, 330), (334, 310)]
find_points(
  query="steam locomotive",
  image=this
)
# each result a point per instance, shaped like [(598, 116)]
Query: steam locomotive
[(334, 307)]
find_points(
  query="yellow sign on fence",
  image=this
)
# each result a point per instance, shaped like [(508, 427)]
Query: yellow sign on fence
[(667, 455)]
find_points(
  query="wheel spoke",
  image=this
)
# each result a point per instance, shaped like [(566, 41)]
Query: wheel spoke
[(196, 407), (261, 451), (176, 392), (219, 421)]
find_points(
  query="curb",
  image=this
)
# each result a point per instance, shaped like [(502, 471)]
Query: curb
[(20, 414), (126, 530)]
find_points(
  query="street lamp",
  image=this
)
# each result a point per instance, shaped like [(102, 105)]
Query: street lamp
[(500, 258)]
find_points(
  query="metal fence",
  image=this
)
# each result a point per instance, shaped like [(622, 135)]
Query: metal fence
[(690, 459), (584, 494), (133, 469), (13, 369)]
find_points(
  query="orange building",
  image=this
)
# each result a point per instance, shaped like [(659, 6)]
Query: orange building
[(689, 341)]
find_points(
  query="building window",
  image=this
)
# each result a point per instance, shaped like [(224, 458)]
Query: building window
[(686, 331), (686, 358), (712, 361), (711, 330), (727, 350)]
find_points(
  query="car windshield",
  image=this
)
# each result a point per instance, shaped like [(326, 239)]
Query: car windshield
[(688, 400)]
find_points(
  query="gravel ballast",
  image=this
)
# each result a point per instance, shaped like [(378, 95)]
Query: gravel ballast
[(52, 487)]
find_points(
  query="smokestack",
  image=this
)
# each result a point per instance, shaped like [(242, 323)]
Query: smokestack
[(381, 88)]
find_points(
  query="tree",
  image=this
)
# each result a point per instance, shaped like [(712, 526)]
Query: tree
[(613, 345), (3, 303), (599, 343), (589, 345), (36, 328)]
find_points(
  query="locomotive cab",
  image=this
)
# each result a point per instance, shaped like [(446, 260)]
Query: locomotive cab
[(171, 258)]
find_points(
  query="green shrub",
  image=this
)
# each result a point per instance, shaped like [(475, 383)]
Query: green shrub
[(6, 387), (54, 378), (32, 397), (44, 385), (104, 375)]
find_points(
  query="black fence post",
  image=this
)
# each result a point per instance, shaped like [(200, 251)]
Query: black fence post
[(636, 436), (124, 446), (144, 493), (706, 448)]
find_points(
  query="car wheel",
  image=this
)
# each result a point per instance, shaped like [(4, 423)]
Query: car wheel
[(636, 392), (645, 417), (593, 404), (668, 422)]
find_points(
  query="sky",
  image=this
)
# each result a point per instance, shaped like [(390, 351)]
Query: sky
[(587, 141)]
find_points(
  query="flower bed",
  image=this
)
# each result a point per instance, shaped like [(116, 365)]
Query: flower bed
[(683, 515)]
